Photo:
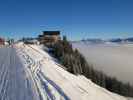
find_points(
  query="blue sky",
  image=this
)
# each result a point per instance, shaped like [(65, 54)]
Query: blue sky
[(77, 19)]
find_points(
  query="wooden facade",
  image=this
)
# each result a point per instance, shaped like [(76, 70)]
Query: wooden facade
[(49, 37)]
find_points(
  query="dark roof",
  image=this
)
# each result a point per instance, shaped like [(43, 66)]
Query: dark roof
[(40, 36), (51, 32)]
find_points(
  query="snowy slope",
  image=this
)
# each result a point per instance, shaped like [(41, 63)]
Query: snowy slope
[(59, 84), (15, 82)]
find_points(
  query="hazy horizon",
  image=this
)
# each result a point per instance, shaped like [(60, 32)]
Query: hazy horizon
[(113, 59)]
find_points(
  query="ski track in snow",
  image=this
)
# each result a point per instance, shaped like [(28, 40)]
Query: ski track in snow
[(51, 90), (22, 79), (14, 85)]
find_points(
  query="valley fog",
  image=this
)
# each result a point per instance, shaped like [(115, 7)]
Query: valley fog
[(113, 59)]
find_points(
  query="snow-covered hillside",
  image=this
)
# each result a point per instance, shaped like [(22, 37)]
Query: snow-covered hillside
[(54, 83)]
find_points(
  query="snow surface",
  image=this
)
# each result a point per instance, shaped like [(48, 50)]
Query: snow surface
[(15, 82), (54, 83)]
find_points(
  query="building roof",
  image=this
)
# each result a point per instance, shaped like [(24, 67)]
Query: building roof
[(51, 32)]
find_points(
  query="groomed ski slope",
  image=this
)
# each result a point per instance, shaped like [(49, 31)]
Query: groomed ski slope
[(54, 83), (15, 82)]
